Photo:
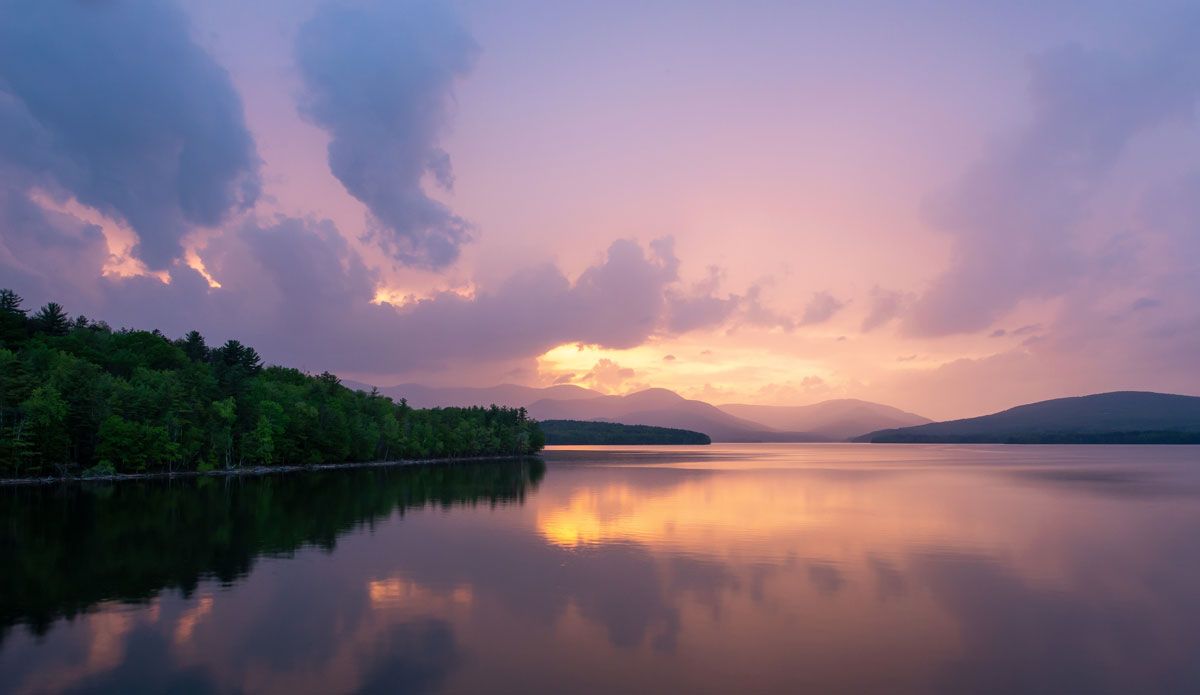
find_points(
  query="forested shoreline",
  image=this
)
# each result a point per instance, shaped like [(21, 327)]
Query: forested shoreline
[(587, 432), (79, 398)]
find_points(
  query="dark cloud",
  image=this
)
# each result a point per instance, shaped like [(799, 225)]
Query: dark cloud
[(113, 103), (45, 249), (1014, 216), (299, 277), (820, 309), (379, 79)]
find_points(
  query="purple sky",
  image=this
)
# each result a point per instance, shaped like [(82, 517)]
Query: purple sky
[(948, 208)]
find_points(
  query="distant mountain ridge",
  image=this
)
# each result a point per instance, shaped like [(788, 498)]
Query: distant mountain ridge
[(835, 420), (838, 419), (665, 408), (1116, 417)]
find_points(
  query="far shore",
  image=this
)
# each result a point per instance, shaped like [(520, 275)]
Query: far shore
[(256, 470)]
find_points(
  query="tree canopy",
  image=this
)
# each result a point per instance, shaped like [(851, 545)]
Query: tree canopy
[(78, 396)]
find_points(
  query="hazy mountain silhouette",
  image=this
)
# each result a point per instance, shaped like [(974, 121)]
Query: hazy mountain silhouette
[(835, 420), (1119, 417), (839, 419), (664, 408)]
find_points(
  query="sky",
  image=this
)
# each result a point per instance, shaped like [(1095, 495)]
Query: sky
[(952, 208)]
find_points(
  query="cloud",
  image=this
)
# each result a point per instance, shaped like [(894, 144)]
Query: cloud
[(701, 308), (40, 248), (885, 306), (299, 277), (114, 104), (692, 313), (1014, 216), (755, 313), (607, 375), (379, 79), (820, 309)]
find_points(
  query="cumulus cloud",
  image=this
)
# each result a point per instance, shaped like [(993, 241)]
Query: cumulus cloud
[(820, 309), (691, 313), (113, 103), (607, 375), (298, 277), (1013, 217), (45, 249), (812, 383), (378, 78), (701, 307)]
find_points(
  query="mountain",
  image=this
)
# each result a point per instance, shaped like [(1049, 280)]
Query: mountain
[(663, 408), (512, 395), (838, 420), (835, 420), (1119, 417)]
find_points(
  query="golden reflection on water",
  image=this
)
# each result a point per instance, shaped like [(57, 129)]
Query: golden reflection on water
[(187, 622), (827, 569), (766, 514), (397, 592)]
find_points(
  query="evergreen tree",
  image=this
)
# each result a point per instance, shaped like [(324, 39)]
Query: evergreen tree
[(10, 302), (194, 346), (83, 396), (52, 320)]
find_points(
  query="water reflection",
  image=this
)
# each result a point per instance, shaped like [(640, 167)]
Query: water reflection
[(728, 569)]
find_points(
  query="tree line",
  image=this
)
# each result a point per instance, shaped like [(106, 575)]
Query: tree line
[(77, 396), (578, 432)]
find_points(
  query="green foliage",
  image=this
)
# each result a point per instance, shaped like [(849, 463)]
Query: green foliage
[(52, 320), (78, 395), (100, 470), (585, 432)]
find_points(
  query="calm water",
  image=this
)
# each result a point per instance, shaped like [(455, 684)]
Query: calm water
[(731, 568)]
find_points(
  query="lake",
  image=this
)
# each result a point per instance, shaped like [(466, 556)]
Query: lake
[(731, 568)]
